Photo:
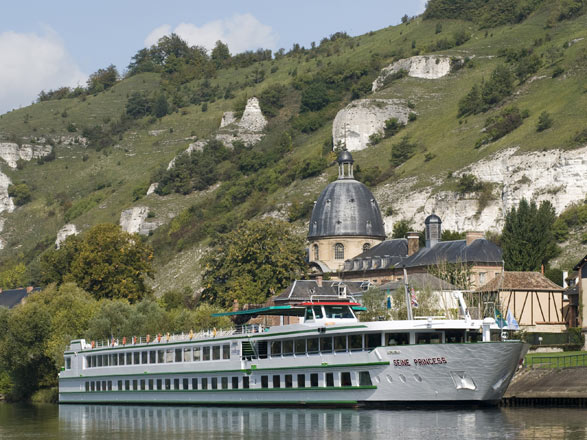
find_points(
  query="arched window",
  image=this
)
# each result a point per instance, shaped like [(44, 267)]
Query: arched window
[(316, 252), (366, 247), (339, 251)]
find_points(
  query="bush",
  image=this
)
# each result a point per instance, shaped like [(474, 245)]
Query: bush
[(481, 98), (498, 126), (468, 183), (402, 151), (544, 121), (138, 105), (272, 99), (311, 167), (20, 193)]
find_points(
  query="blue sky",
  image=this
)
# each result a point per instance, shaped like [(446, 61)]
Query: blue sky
[(47, 44)]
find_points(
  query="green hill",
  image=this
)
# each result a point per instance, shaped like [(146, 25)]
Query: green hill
[(542, 44)]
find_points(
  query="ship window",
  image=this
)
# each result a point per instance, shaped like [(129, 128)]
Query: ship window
[(93, 386), (339, 251), (340, 343), (318, 312), (159, 384), (301, 381), (312, 345), (143, 385), (160, 356), (119, 385), (309, 315), (276, 381), (105, 359), (121, 358), (345, 379), (129, 358), (275, 348), (89, 363), (264, 381), (429, 338), (194, 383), (144, 357), (135, 384), (454, 336), (68, 363), (246, 382), (114, 360), (372, 340), (151, 384), (197, 354), (99, 359), (167, 384), (226, 351), (287, 347), (235, 383), (186, 384), (314, 379), (300, 346), (397, 338), (473, 336), (187, 354), (365, 379), (288, 381), (206, 353), (316, 252), (87, 386), (326, 344), (329, 379), (216, 352), (98, 386), (205, 383), (356, 342), (127, 385), (224, 382), (178, 355), (152, 357), (169, 355), (214, 383), (340, 312), (176, 384), (136, 358)]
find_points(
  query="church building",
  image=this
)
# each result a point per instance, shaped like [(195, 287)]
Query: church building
[(347, 239)]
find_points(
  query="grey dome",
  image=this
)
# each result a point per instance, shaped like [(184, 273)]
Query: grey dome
[(345, 156), (346, 207), (432, 218)]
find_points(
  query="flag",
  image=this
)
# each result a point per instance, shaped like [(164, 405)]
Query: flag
[(501, 323), (512, 323), (413, 298)]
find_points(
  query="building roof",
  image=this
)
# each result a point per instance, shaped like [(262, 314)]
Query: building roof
[(346, 207), (580, 263), (522, 281), (306, 290), (394, 253), (421, 281), (13, 297)]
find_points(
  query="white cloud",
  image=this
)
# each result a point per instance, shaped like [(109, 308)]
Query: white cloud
[(240, 32), (31, 63)]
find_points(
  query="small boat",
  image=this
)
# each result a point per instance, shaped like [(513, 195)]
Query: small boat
[(329, 358)]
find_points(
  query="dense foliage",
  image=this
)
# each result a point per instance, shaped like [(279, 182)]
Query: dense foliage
[(252, 263)]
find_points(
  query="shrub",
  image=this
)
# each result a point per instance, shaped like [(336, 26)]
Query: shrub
[(20, 193), (498, 126), (468, 183), (402, 151), (272, 99), (392, 127), (544, 121)]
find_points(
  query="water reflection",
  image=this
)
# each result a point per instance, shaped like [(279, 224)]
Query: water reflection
[(132, 422)]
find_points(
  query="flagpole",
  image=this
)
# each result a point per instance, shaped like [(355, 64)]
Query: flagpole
[(408, 299)]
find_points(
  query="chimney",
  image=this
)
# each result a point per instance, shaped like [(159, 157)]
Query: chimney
[(29, 289), (471, 236), (413, 243), (319, 280)]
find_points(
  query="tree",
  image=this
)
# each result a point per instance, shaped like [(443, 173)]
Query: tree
[(374, 300), (20, 193), (527, 238), (544, 121), (105, 261), (220, 54), (160, 106), (102, 79), (138, 105), (252, 262), (401, 229)]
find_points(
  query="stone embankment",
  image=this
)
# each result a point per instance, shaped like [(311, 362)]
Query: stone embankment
[(548, 386)]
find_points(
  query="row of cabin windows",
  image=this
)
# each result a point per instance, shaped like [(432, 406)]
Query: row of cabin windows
[(338, 250), (165, 356), (345, 379)]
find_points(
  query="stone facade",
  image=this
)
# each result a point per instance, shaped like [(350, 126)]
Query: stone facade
[(352, 246)]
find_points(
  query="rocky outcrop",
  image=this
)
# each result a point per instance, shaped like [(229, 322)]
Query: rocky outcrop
[(248, 130), (227, 119), (362, 118), (555, 175), (152, 188), (64, 232), (134, 221), (11, 152), (422, 66), (253, 120), (6, 203), (195, 146)]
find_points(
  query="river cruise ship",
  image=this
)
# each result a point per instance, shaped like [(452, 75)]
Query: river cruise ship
[(328, 358)]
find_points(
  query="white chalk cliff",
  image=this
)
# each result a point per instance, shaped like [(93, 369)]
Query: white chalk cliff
[(64, 232), (555, 175), (422, 66), (11, 152), (360, 119), (249, 129), (133, 221)]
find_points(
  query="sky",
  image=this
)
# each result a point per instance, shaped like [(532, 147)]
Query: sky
[(49, 44)]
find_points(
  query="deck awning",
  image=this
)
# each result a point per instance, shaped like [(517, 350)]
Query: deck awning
[(272, 310)]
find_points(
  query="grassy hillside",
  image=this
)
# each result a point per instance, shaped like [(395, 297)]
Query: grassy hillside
[(88, 185)]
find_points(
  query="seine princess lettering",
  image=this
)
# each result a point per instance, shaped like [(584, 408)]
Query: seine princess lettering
[(423, 361)]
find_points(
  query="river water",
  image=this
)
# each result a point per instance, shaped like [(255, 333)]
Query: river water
[(155, 422)]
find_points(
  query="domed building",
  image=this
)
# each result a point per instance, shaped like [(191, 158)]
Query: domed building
[(345, 222)]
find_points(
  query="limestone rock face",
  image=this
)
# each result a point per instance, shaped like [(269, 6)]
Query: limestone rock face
[(6, 203), (555, 175), (253, 119), (360, 119), (194, 146), (227, 119), (134, 221), (64, 232), (11, 152), (422, 66), (152, 188)]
